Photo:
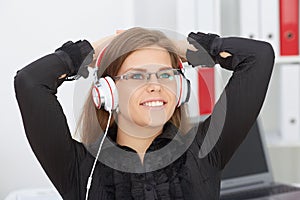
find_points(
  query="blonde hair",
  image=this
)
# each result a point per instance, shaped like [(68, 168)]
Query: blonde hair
[(93, 121)]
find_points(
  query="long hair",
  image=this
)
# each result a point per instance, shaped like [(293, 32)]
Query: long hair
[(93, 121)]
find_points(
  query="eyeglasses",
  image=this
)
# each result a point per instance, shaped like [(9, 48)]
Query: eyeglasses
[(163, 76)]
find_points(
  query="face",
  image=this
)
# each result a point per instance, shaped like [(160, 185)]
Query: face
[(150, 103)]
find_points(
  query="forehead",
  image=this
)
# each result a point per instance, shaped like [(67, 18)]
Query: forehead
[(145, 57)]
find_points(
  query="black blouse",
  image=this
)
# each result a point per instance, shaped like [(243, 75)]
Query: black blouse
[(193, 175)]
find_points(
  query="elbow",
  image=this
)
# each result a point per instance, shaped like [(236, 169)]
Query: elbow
[(18, 81), (22, 82), (267, 52), (264, 56)]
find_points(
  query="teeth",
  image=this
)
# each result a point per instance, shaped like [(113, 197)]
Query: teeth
[(153, 103)]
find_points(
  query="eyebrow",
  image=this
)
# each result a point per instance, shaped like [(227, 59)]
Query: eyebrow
[(145, 70)]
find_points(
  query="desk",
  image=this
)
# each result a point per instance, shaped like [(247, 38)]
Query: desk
[(285, 162), (34, 194)]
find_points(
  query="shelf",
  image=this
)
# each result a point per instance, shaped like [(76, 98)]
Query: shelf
[(283, 144), (274, 139), (287, 59)]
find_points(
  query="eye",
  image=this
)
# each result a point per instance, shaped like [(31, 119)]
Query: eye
[(136, 76), (164, 75), (167, 74)]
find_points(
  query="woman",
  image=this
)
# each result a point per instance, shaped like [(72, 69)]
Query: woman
[(147, 119)]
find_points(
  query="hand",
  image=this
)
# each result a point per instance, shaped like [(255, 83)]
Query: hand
[(204, 54), (98, 47)]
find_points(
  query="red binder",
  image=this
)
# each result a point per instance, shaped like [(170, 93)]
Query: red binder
[(289, 27), (206, 90)]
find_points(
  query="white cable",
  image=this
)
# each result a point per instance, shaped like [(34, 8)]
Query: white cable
[(89, 183)]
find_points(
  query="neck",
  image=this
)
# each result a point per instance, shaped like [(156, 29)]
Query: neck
[(136, 137)]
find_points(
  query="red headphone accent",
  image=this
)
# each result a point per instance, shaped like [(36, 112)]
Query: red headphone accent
[(100, 56), (96, 97)]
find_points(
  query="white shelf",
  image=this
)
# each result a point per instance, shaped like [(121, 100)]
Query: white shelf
[(282, 144), (276, 141), (287, 59)]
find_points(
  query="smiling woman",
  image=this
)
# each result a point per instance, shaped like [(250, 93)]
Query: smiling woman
[(146, 154), (133, 51)]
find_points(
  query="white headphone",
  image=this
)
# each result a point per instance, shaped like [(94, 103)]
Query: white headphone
[(104, 90), (105, 94)]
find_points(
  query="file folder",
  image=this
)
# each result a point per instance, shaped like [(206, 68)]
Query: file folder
[(206, 87), (269, 23), (289, 27), (250, 18), (202, 95), (289, 102)]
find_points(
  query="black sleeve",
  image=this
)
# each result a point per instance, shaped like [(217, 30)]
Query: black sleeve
[(240, 103), (43, 118)]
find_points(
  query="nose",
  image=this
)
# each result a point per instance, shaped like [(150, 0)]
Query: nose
[(153, 85)]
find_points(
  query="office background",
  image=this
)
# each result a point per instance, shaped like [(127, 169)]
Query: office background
[(32, 28)]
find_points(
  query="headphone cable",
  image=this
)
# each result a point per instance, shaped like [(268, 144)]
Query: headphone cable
[(89, 182)]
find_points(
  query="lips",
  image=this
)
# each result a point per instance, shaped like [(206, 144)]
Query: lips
[(153, 103)]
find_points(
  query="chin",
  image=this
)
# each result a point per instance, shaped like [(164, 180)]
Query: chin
[(155, 124), (151, 117), (152, 120)]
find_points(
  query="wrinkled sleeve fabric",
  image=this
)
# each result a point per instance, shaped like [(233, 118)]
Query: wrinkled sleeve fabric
[(44, 121), (240, 102)]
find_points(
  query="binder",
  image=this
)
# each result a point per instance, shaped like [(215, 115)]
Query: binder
[(202, 96), (269, 23), (206, 90), (249, 19), (260, 20), (289, 102), (289, 27)]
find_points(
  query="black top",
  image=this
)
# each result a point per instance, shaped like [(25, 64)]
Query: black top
[(68, 163)]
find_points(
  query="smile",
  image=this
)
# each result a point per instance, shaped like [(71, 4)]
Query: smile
[(156, 103)]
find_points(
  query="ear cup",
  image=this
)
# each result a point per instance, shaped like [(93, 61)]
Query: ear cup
[(105, 94), (183, 86), (183, 90)]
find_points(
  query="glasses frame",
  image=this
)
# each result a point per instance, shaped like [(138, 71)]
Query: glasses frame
[(147, 75)]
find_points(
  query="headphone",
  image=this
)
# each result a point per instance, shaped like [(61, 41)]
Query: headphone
[(105, 94)]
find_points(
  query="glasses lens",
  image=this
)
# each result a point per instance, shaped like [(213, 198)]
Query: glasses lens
[(166, 75), (137, 76)]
